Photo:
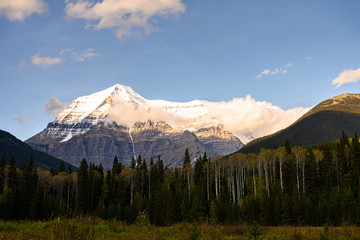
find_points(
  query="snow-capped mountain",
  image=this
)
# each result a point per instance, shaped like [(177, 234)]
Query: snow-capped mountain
[(87, 111), (118, 121)]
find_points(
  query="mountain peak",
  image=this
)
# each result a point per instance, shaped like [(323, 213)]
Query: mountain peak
[(346, 102), (344, 95), (97, 104)]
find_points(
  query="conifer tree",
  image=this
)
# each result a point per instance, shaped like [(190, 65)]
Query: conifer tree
[(115, 168), (355, 163), (287, 146), (133, 163), (83, 188), (69, 169), (62, 166), (186, 158), (2, 172), (12, 176)]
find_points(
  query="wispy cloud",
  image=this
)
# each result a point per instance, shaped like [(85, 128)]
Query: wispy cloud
[(125, 17), (22, 119), (22, 64), (66, 50), (64, 38), (18, 10), (274, 71), (64, 54), (347, 76), (84, 55), (54, 106), (308, 58), (45, 62)]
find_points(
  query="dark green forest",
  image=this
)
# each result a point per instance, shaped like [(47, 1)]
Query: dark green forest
[(279, 186)]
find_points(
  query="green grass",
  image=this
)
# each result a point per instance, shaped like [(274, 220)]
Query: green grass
[(99, 229)]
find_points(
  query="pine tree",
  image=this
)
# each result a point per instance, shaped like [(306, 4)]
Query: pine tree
[(287, 146), (133, 163), (83, 188), (160, 170), (355, 163), (2, 173), (31, 163), (69, 169), (186, 158), (115, 168), (62, 166), (12, 176)]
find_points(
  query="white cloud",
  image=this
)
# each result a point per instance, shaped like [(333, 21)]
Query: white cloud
[(275, 71), (126, 17), (244, 117), (347, 76), (18, 10), (54, 106), (45, 62), (308, 58), (84, 55), (22, 119)]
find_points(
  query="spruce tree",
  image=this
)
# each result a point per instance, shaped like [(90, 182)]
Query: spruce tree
[(69, 169), (2, 172), (287, 146), (62, 166), (115, 168), (12, 177), (133, 163), (186, 158), (31, 163), (83, 188)]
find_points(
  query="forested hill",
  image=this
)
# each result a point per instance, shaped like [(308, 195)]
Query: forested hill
[(283, 186), (10, 147), (324, 123)]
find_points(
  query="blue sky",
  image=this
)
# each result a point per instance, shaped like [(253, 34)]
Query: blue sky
[(283, 52)]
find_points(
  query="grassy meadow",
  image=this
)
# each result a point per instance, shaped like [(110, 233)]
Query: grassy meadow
[(100, 229)]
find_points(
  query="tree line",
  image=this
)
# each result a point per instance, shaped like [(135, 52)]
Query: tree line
[(280, 186)]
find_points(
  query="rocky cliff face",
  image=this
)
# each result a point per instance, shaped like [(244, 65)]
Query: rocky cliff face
[(86, 129), (102, 142)]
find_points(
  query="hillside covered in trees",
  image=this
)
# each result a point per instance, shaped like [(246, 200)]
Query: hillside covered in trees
[(283, 186), (10, 146), (323, 123)]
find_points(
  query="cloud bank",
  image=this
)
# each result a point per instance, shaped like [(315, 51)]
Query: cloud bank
[(45, 62), (125, 17), (275, 71), (347, 76), (18, 10), (54, 106), (130, 113), (244, 117)]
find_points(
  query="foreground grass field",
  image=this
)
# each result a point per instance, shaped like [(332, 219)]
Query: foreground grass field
[(99, 229)]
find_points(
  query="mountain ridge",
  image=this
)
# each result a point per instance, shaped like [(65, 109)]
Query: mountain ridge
[(11, 146), (323, 123)]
